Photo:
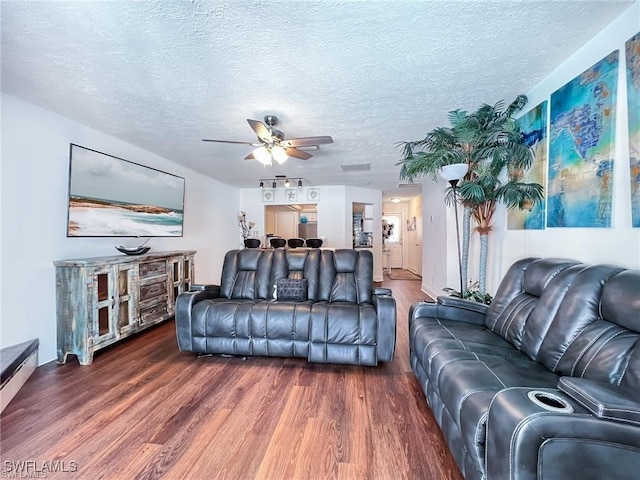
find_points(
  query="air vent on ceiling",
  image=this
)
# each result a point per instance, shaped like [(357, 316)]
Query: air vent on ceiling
[(355, 167), (408, 185)]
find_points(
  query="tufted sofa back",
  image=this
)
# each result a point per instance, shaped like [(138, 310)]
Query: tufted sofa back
[(577, 320), (342, 275), (246, 274)]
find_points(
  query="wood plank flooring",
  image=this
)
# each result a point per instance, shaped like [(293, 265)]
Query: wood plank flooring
[(144, 410)]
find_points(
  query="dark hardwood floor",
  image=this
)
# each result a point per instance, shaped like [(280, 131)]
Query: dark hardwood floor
[(144, 410)]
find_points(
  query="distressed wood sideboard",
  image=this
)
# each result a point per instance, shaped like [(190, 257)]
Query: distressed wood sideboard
[(102, 300)]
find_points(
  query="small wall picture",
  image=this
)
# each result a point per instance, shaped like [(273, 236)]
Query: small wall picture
[(411, 224), (313, 194), (291, 195), (268, 196)]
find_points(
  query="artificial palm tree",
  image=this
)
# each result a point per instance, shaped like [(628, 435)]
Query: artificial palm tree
[(483, 192), (489, 142)]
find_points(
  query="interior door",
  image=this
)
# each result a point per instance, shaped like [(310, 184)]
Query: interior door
[(414, 244), (394, 243), (287, 224)]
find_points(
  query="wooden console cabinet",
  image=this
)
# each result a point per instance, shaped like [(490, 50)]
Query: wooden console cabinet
[(104, 299)]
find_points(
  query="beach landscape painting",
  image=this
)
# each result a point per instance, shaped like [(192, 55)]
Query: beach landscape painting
[(112, 197)]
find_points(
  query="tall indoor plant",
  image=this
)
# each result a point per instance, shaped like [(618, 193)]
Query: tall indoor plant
[(489, 142)]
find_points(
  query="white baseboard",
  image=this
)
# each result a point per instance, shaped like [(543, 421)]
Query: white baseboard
[(432, 293)]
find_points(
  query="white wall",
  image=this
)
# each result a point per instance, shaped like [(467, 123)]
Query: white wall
[(35, 169), (438, 235), (335, 220), (619, 244)]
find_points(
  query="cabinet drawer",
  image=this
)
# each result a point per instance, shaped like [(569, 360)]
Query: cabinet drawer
[(151, 269), (154, 312), (152, 290)]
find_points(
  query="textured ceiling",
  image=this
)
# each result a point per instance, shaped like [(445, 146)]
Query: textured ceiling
[(163, 75)]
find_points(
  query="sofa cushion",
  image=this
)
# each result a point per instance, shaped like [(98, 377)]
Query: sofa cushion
[(580, 307), (519, 294), (246, 274), (430, 336), (345, 276), (292, 289), (620, 302), (467, 383), (336, 327), (245, 327), (298, 264)]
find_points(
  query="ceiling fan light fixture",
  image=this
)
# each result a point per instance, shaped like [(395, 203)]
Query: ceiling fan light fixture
[(279, 154), (262, 155)]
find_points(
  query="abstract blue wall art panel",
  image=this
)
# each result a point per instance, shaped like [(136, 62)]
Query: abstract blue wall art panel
[(581, 148), (632, 48), (533, 128)]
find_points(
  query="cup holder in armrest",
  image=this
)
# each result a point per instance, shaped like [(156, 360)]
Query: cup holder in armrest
[(550, 401)]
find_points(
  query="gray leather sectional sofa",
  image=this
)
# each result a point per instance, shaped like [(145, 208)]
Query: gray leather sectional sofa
[(545, 382), (339, 317)]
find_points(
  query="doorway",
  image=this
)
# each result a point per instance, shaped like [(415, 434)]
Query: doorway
[(393, 245), (291, 221)]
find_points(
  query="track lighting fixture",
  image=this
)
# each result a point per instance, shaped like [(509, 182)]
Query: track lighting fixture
[(286, 182)]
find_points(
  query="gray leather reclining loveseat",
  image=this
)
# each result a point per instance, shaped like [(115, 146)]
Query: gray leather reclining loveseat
[(544, 383), (331, 314)]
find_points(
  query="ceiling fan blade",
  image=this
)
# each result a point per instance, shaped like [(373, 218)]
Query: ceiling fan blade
[(226, 141), (295, 153), (307, 141), (261, 130), (250, 157)]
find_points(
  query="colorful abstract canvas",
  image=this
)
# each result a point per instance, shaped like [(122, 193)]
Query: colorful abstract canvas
[(533, 128), (633, 99), (581, 148)]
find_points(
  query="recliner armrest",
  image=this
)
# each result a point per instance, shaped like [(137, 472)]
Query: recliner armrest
[(450, 308), (603, 399), (199, 287), (381, 291), (385, 306), (456, 302), (183, 319)]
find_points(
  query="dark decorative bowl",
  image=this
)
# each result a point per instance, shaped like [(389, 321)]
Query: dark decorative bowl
[(252, 243), (277, 242), (133, 251), (314, 242), (295, 242)]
